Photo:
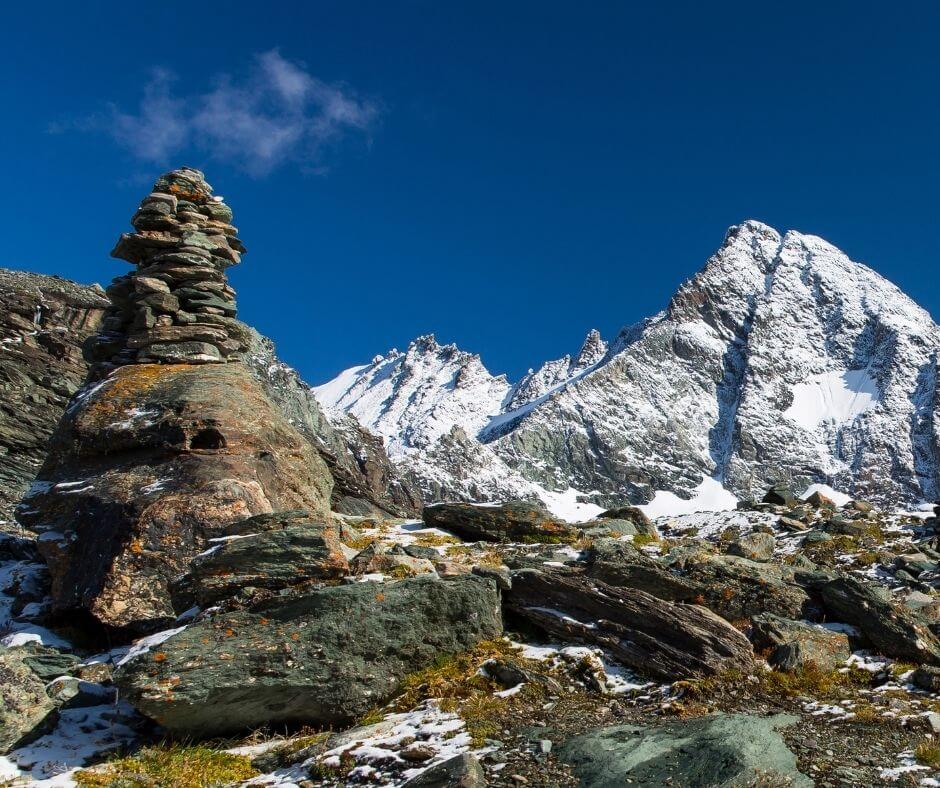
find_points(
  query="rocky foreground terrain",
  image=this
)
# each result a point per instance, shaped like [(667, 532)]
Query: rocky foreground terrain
[(208, 582)]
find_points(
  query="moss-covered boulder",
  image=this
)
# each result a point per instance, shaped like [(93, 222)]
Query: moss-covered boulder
[(323, 658)]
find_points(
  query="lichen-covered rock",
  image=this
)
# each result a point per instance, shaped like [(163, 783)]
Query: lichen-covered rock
[(44, 323), (25, 708), (733, 587), (322, 658), (657, 638), (274, 559), (757, 546), (892, 629), (719, 751), (798, 644), (516, 521), (145, 467), (461, 771)]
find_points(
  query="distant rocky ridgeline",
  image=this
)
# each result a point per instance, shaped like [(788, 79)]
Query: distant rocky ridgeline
[(782, 360)]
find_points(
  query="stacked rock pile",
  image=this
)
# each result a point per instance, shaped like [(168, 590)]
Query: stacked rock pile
[(177, 307)]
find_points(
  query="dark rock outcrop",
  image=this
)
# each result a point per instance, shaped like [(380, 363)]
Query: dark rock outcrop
[(719, 751), (892, 629), (733, 587), (461, 771), (290, 557), (322, 658), (657, 638), (44, 323), (516, 521)]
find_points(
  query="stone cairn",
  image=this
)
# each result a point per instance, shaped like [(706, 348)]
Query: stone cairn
[(177, 307)]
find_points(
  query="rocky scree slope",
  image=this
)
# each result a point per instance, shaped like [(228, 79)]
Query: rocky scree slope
[(782, 360)]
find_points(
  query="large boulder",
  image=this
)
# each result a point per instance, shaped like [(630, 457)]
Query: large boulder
[(44, 322), (657, 638), (289, 557), (733, 587), (516, 521), (26, 709), (798, 644), (145, 467), (718, 751), (892, 629), (323, 658)]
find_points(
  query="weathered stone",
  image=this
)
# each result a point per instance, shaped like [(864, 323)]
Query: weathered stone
[(44, 323), (719, 751), (927, 677), (781, 495), (839, 525), (730, 586), (790, 524), (510, 522), (757, 546), (461, 771), (321, 658), (274, 559), (893, 630), (820, 501), (182, 353), (167, 456), (797, 644), (25, 708), (633, 515), (655, 637), (378, 558)]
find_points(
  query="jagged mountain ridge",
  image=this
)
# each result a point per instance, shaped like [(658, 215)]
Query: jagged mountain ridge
[(781, 360)]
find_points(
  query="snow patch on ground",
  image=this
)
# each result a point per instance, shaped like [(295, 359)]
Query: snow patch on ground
[(566, 505), (710, 496), (835, 397)]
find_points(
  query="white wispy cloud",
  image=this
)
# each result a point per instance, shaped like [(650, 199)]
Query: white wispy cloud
[(276, 114)]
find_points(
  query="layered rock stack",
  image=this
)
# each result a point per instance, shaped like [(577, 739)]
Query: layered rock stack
[(166, 445), (177, 307)]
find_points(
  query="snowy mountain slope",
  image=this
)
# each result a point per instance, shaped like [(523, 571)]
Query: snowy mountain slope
[(781, 360)]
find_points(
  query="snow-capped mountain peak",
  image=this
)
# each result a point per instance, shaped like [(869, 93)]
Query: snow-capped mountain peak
[(780, 360)]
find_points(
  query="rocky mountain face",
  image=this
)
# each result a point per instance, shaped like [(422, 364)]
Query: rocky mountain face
[(780, 361), (44, 323)]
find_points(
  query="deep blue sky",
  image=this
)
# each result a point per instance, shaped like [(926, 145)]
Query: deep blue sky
[(513, 175)]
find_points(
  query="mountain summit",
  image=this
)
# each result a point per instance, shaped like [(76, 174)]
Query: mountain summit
[(782, 360)]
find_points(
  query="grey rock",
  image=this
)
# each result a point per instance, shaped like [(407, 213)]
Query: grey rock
[(510, 522), (325, 657), (719, 751), (292, 556), (461, 771), (655, 637), (757, 546), (797, 644), (26, 711), (892, 629)]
